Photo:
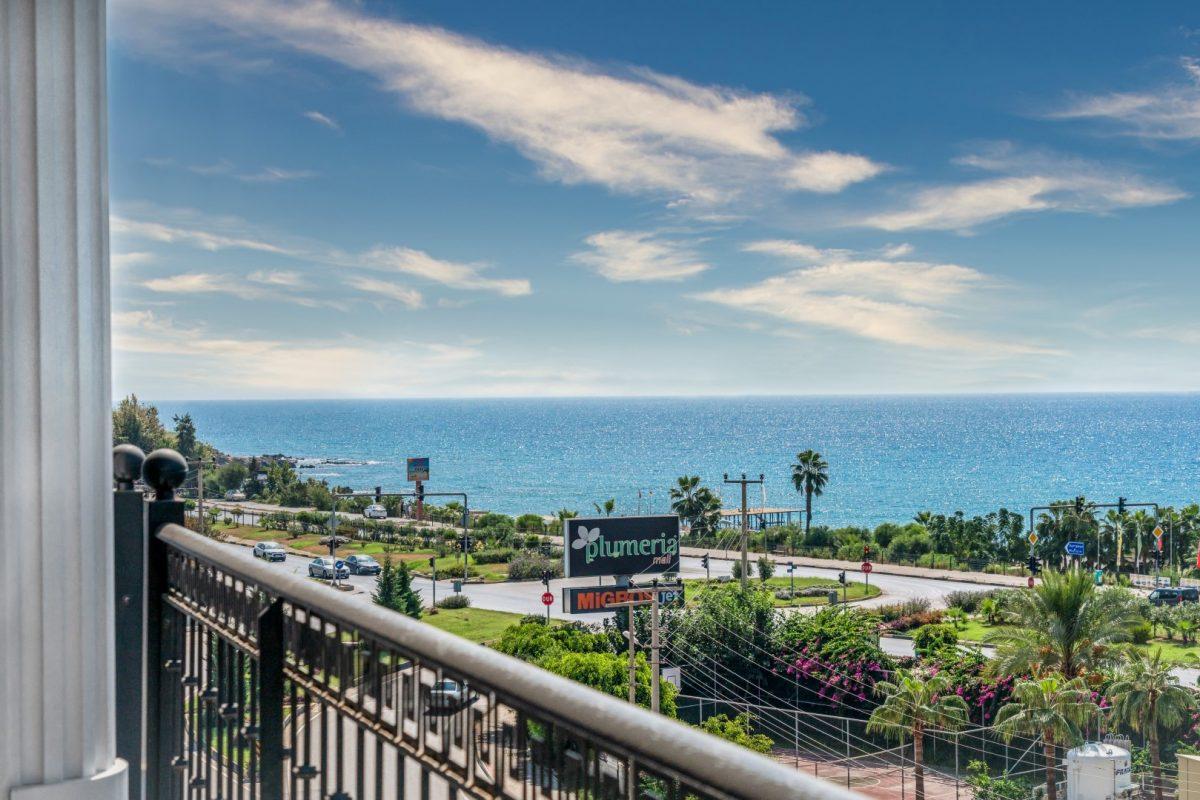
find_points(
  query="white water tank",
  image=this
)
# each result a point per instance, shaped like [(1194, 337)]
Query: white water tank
[(1097, 771)]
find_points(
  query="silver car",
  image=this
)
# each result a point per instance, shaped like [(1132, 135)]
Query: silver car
[(449, 694), (375, 511), (327, 568)]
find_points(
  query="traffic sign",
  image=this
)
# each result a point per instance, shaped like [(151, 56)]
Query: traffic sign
[(1029, 582), (547, 599), (1033, 537), (1075, 548), (866, 567)]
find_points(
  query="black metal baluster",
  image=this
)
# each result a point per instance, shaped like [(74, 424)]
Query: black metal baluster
[(269, 719)]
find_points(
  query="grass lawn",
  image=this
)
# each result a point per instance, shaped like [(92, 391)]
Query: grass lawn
[(855, 591), (1173, 651), (479, 625)]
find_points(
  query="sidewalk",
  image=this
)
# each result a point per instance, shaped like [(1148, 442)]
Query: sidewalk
[(876, 567)]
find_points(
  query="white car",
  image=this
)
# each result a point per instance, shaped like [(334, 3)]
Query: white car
[(375, 511), (235, 496), (270, 551), (449, 694)]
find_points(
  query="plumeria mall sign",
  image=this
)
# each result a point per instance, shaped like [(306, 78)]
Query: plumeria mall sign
[(620, 546)]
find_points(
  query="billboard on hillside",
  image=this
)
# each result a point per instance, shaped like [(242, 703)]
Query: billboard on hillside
[(620, 546)]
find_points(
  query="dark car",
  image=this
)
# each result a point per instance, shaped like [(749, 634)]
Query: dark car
[(362, 565), (327, 568), (1174, 596)]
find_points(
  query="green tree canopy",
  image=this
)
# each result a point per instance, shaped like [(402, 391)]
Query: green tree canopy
[(138, 424)]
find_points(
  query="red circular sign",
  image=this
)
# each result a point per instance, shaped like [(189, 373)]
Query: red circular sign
[(866, 566), (547, 599), (1029, 582)]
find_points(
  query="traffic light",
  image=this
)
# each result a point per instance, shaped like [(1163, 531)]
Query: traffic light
[(1120, 505), (421, 491), (842, 577), (866, 552), (379, 495), (704, 560), (546, 576), (1079, 506), (465, 542), (1035, 565), (432, 561), (1158, 559)]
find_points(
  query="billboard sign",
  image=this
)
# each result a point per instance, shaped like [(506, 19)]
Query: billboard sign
[(418, 469), (598, 599), (620, 546)]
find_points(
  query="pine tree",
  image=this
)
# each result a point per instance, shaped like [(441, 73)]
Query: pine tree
[(385, 585), (408, 600), (185, 435)]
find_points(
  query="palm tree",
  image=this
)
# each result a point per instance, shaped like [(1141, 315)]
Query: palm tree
[(810, 473), (695, 504), (1064, 625), (913, 703), (607, 509), (1053, 708), (1148, 695)]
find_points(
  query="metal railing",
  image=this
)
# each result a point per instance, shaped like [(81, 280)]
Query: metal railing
[(265, 684)]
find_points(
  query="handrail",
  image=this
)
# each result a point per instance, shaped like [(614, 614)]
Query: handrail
[(726, 767)]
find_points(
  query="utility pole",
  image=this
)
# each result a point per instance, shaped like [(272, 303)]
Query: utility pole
[(200, 493), (632, 660), (744, 481), (654, 663)]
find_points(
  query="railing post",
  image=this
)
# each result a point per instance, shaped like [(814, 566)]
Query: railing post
[(270, 700), (164, 471), (129, 583)]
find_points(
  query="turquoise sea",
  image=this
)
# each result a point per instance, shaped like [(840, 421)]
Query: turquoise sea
[(889, 457)]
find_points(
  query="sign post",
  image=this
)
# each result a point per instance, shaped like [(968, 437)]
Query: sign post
[(418, 473), (620, 546), (866, 569)]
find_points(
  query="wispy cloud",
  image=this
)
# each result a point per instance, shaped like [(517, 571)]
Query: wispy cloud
[(226, 168), (323, 119), (257, 286), (448, 273), (1032, 182), (631, 130), (275, 175), (1168, 112), (624, 256), (386, 290), (222, 234), (130, 259), (902, 303), (278, 277)]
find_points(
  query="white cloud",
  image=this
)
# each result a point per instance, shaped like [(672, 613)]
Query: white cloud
[(448, 273), (902, 303), (221, 234), (278, 277), (323, 119), (386, 289), (623, 256), (276, 175), (785, 248), (131, 259), (1034, 182), (633, 130), (901, 250), (250, 365), (1170, 112), (257, 285)]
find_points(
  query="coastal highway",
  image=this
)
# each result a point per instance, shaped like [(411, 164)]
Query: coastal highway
[(524, 597)]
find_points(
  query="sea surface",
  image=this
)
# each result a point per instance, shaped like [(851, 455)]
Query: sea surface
[(889, 457)]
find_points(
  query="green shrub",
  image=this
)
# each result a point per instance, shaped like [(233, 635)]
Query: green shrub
[(931, 638), (455, 601), (493, 556), (1141, 633), (530, 522), (529, 567), (894, 611), (766, 568)]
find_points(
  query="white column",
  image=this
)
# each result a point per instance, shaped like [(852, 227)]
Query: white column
[(56, 582)]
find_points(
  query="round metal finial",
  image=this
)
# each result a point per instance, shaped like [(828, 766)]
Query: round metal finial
[(127, 465), (164, 471)]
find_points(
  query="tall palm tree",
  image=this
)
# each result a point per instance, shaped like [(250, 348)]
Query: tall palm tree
[(1149, 695), (1053, 708), (810, 473), (913, 703), (1062, 625), (607, 507)]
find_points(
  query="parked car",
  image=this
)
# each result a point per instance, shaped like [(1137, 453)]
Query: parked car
[(375, 511), (362, 565), (449, 694), (327, 568), (1174, 596), (270, 551), (236, 496)]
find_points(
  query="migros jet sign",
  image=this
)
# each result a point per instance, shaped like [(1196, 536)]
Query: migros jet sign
[(620, 545), (598, 599)]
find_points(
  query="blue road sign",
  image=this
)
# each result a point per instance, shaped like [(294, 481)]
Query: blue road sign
[(1075, 548)]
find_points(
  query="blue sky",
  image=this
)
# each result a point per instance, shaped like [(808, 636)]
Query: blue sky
[(459, 199)]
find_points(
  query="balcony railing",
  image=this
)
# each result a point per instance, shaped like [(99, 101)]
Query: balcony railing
[(265, 684)]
